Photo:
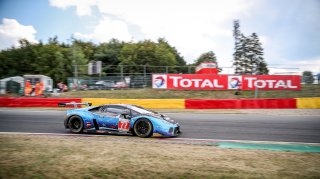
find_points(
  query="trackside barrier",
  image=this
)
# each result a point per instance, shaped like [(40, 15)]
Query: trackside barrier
[(302, 103), (240, 103), (308, 103), (34, 102), (147, 103)]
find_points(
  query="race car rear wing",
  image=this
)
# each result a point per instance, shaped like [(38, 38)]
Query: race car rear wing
[(74, 104)]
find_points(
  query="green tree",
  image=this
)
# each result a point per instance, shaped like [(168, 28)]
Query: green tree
[(206, 57), (87, 48), (109, 54), (128, 57), (9, 65), (25, 56), (307, 77), (60, 60), (256, 56), (78, 60), (248, 55), (62, 69), (19, 61), (237, 55), (149, 54), (52, 60), (36, 58), (179, 59)]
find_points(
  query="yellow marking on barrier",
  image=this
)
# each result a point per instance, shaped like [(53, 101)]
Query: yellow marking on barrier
[(147, 103), (308, 103)]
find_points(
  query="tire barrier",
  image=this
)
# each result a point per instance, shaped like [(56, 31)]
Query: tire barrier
[(147, 103), (240, 103), (308, 103), (34, 102)]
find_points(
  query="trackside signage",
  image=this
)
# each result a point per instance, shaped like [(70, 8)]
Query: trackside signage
[(225, 82)]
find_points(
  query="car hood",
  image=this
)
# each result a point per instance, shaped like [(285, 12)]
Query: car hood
[(161, 116)]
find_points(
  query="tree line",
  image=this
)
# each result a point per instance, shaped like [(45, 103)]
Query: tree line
[(58, 60)]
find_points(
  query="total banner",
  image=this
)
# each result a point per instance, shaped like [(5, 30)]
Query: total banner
[(225, 82)]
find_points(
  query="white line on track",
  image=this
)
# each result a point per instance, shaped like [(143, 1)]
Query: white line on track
[(177, 139)]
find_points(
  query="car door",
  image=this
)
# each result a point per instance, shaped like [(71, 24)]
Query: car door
[(106, 118), (100, 117), (110, 118)]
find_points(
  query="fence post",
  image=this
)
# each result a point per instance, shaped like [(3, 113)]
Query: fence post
[(121, 71), (75, 74), (145, 75), (256, 90)]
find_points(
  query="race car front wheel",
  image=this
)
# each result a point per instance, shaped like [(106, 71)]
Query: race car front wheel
[(76, 124), (143, 128)]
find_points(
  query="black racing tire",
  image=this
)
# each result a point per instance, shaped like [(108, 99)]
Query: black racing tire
[(143, 128), (132, 132), (76, 124)]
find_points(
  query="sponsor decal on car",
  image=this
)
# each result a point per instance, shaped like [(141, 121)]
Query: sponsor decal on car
[(88, 125), (123, 125)]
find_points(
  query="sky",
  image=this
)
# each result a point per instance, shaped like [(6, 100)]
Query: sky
[(288, 29)]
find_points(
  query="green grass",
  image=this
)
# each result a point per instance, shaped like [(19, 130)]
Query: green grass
[(148, 93)]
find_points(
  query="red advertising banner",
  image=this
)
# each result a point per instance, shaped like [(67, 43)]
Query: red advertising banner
[(225, 82), (271, 82)]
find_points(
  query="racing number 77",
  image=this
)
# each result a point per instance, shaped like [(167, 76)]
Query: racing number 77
[(124, 125)]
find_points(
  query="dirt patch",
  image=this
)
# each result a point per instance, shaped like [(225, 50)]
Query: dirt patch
[(37, 156)]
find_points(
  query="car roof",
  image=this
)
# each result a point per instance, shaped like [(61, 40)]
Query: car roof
[(124, 105)]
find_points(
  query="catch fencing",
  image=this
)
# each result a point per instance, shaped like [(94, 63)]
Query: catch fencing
[(140, 76)]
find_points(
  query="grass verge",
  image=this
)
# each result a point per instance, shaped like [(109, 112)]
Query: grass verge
[(36, 156), (148, 93)]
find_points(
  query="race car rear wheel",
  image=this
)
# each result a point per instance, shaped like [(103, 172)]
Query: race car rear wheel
[(143, 128), (76, 124)]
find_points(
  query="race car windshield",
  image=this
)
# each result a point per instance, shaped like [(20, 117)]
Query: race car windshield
[(141, 110)]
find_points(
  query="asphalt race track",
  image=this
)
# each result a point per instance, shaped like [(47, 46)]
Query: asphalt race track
[(264, 126)]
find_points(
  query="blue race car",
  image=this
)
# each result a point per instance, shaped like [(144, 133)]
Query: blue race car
[(119, 119)]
